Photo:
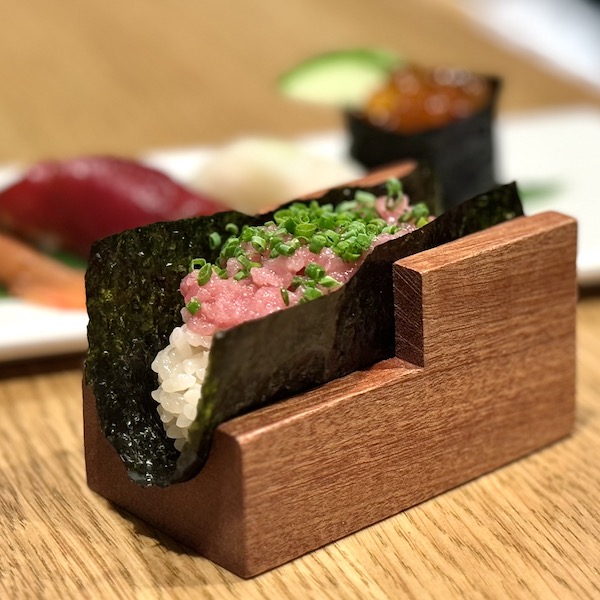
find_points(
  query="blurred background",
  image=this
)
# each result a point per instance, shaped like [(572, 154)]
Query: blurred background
[(124, 77), (561, 33)]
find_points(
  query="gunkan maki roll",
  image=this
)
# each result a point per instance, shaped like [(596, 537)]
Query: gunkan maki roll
[(441, 115)]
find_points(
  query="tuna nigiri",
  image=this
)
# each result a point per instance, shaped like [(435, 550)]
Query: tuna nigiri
[(69, 204)]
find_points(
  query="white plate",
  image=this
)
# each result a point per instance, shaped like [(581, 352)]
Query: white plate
[(559, 150), (30, 331)]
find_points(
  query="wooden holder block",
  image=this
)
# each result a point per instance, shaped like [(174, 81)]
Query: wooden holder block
[(484, 374)]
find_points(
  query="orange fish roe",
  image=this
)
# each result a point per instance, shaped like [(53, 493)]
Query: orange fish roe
[(415, 99)]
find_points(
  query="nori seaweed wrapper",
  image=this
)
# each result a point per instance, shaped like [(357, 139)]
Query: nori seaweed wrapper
[(462, 152), (134, 303)]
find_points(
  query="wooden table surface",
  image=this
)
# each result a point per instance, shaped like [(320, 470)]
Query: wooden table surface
[(125, 77)]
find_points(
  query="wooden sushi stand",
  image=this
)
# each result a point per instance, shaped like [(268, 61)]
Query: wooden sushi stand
[(527, 530), (484, 374)]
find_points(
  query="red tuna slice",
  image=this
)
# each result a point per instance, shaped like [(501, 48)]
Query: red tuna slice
[(69, 204)]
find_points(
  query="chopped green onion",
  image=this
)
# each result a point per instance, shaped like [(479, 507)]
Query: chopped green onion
[(290, 225), (214, 240), (314, 271), (258, 243), (305, 229), (419, 210), (246, 234), (364, 240), (348, 205), (364, 197), (247, 263), (285, 249), (204, 274), (221, 273), (296, 282), (281, 216), (350, 256), (328, 282), (393, 187), (317, 243), (193, 306), (196, 263), (229, 248), (332, 237), (348, 229), (311, 293), (326, 221)]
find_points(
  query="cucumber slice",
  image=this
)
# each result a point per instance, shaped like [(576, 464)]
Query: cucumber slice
[(344, 78)]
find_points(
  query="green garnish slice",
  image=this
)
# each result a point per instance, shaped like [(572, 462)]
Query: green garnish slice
[(196, 263), (204, 274), (311, 293), (343, 78), (214, 240), (193, 306), (394, 192), (232, 228), (314, 271)]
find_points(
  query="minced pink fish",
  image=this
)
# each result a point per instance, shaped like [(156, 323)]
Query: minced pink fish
[(227, 302)]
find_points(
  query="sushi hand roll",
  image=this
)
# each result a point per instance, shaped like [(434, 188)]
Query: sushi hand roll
[(197, 321)]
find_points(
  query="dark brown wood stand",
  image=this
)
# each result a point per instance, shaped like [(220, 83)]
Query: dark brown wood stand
[(484, 374)]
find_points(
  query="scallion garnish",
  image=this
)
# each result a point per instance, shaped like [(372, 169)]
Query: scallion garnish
[(314, 271), (196, 263), (317, 243), (328, 282), (204, 274), (305, 230), (214, 240), (347, 230), (247, 263), (418, 211), (393, 187), (221, 273), (364, 197), (311, 293), (193, 306), (258, 243)]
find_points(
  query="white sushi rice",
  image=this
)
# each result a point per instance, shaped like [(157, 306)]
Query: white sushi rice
[(181, 368)]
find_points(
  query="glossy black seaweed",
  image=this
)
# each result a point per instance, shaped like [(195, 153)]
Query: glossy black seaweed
[(461, 153), (134, 303)]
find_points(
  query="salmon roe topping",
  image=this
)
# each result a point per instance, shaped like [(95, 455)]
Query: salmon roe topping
[(416, 99)]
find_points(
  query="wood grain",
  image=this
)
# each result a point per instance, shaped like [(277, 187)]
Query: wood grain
[(497, 316), (125, 77)]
